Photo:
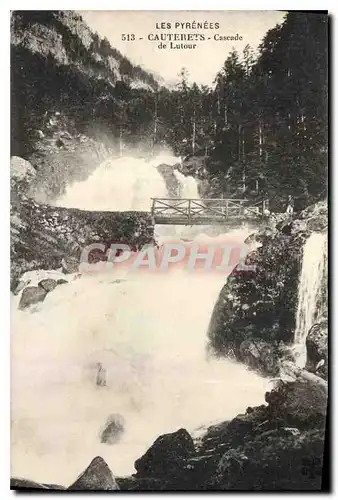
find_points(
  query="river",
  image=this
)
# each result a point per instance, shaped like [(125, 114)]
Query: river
[(146, 331)]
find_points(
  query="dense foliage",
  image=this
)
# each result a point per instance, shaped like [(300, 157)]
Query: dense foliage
[(261, 129), (264, 124)]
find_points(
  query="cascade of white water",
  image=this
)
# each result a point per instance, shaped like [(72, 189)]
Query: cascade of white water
[(119, 184), (188, 184), (126, 183), (309, 291), (147, 335)]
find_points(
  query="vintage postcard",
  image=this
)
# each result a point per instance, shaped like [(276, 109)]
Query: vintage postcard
[(169, 255)]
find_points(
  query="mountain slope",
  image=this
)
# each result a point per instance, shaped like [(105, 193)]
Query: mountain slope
[(64, 36), (73, 97)]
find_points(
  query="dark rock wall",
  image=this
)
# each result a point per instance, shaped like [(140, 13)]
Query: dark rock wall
[(254, 317), (42, 235)]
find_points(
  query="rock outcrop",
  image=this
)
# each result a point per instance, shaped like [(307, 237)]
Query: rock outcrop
[(32, 295), (254, 317), (167, 457), (24, 484), (113, 429), (278, 446), (96, 477), (22, 174), (47, 237), (317, 348)]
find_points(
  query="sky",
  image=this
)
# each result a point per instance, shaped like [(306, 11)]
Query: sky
[(204, 61)]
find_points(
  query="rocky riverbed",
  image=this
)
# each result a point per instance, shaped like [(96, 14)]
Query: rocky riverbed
[(276, 446)]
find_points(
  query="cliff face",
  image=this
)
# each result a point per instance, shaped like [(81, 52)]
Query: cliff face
[(64, 37), (254, 317), (70, 97)]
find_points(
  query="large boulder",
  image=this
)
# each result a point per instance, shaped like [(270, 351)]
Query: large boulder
[(260, 355), (48, 284), (278, 446), (316, 216), (167, 456), (113, 429), (70, 265), (32, 295), (301, 402), (22, 174), (277, 459), (97, 477), (317, 348), (21, 170)]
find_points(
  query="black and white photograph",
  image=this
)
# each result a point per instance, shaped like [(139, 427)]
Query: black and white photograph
[(169, 250)]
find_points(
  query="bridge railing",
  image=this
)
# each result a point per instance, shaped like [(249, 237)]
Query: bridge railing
[(211, 208)]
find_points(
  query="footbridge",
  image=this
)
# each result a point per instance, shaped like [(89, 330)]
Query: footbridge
[(195, 211)]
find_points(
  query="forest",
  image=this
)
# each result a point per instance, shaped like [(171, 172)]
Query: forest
[(261, 129)]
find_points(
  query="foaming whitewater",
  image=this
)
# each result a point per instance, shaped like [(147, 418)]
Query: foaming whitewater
[(190, 189), (309, 291), (144, 336), (125, 183)]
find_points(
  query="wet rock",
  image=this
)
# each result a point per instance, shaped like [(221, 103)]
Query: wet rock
[(32, 295), (113, 429), (167, 456), (70, 265), (20, 286), (270, 447), (298, 225), (287, 229), (18, 484), (21, 170), (265, 234), (278, 446), (97, 477), (317, 348), (61, 281), (55, 487), (301, 403), (260, 355), (319, 223), (132, 483), (250, 239), (317, 216), (276, 461), (48, 284)]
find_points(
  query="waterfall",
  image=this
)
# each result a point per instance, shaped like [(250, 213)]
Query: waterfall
[(118, 184), (131, 349), (188, 185), (128, 183), (309, 291)]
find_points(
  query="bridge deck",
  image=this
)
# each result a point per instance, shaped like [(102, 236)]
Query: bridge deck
[(190, 211), (201, 221)]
